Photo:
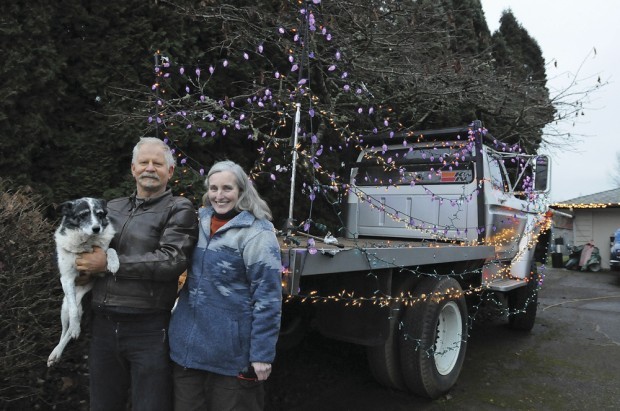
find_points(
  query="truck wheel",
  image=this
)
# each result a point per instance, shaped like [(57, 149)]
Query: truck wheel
[(384, 360), (523, 303), (435, 338)]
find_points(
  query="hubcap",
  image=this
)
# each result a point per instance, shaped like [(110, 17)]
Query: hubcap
[(448, 340)]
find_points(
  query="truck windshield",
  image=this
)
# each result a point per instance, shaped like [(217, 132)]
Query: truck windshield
[(419, 165)]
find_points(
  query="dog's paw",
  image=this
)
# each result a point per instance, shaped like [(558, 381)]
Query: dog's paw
[(53, 358), (74, 330), (113, 263)]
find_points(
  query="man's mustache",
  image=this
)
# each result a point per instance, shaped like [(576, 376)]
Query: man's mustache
[(149, 175)]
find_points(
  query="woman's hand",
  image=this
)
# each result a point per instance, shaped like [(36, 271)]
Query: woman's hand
[(262, 370)]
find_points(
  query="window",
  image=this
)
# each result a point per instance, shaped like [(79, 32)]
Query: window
[(497, 173), (450, 163)]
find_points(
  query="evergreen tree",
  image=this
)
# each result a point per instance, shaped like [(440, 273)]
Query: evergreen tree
[(82, 78), (68, 65), (29, 91), (526, 108)]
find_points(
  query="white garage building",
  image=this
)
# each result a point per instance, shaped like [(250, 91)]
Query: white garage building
[(594, 217)]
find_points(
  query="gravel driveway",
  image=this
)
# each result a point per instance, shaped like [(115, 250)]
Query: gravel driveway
[(570, 360)]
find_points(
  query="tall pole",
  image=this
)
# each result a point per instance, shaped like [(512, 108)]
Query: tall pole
[(294, 166), (304, 59)]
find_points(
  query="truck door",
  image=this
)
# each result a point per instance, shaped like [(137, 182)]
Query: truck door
[(506, 215)]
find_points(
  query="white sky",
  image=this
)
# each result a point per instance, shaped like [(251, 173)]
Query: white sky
[(568, 31)]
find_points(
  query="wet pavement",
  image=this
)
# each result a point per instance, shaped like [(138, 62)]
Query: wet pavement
[(569, 361)]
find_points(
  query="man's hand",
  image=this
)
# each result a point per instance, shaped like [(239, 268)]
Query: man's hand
[(262, 370), (93, 262)]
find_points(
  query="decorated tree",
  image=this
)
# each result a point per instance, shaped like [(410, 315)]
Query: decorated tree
[(353, 68)]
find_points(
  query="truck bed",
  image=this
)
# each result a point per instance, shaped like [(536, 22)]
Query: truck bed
[(370, 253)]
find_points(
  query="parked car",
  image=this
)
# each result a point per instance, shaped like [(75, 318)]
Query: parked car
[(614, 257)]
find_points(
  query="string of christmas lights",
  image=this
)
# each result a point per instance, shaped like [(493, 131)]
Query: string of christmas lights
[(264, 114)]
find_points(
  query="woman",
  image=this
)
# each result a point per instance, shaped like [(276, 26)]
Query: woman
[(228, 314)]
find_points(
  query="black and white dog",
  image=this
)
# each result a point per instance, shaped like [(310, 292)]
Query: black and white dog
[(84, 224)]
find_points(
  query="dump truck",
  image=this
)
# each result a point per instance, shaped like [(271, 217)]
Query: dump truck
[(436, 221)]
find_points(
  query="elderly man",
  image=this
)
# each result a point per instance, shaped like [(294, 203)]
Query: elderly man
[(155, 235)]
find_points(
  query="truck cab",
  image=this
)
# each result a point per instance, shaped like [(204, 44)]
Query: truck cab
[(454, 186)]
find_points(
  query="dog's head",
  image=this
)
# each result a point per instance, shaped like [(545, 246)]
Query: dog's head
[(88, 215)]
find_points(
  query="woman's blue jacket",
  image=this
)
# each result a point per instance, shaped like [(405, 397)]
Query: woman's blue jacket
[(228, 312)]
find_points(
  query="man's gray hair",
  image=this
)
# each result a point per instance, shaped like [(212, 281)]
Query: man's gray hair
[(170, 160)]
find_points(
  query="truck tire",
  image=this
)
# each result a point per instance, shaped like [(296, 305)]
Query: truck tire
[(384, 359), (523, 303), (433, 346)]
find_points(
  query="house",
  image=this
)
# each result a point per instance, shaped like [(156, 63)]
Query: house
[(594, 217)]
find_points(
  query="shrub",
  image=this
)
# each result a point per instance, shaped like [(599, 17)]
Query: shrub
[(30, 300)]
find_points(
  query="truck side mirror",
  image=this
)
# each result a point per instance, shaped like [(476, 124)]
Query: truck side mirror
[(542, 174)]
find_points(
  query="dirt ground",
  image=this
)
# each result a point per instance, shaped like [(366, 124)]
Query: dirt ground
[(569, 361)]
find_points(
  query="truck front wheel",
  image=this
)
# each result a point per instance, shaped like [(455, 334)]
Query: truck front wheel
[(433, 345), (523, 304)]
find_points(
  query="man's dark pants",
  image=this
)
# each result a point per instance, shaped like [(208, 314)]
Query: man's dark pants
[(129, 354)]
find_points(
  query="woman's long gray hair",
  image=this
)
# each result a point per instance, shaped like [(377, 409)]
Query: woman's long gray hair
[(249, 199)]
